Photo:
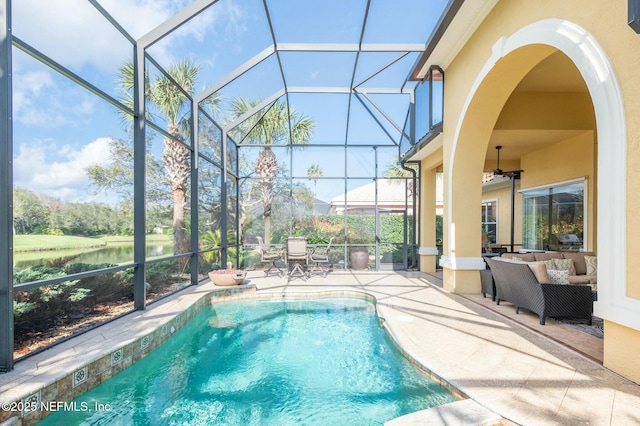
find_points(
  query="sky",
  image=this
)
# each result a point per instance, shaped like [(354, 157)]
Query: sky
[(60, 128)]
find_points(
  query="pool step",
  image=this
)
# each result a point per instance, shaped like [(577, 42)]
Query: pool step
[(466, 412)]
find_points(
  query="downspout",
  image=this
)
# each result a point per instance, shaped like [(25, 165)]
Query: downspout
[(416, 222)]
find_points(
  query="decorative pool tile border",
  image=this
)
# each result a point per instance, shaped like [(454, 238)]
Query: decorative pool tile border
[(39, 404)]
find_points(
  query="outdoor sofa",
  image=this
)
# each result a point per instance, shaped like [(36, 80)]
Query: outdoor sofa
[(582, 266), (516, 283)]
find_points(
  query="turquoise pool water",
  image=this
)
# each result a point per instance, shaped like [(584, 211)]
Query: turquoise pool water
[(265, 362)]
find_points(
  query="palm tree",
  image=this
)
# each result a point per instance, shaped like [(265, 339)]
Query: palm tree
[(170, 101), (395, 170), (280, 124), (314, 172)]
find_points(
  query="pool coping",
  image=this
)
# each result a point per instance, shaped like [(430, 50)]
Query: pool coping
[(42, 383), (60, 374)]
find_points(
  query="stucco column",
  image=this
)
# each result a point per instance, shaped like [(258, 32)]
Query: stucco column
[(462, 260), (428, 250)]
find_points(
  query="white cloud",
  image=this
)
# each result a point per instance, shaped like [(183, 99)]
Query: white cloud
[(27, 87), (139, 17), (39, 100), (59, 172), (75, 34)]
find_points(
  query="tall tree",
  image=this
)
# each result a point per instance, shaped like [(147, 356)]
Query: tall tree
[(170, 100), (314, 172), (168, 94), (279, 125)]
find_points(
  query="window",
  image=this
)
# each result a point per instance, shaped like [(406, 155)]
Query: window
[(554, 217), (429, 100), (489, 223)]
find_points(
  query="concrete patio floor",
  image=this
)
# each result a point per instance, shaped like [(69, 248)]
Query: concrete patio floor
[(506, 367), (510, 372)]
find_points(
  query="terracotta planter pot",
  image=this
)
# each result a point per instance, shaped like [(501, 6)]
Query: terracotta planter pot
[(228, 279), (359, 259)]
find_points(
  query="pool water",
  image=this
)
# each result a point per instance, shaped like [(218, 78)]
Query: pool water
[(279, 362)]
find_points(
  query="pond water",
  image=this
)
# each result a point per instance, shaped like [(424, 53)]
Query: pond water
[(112, 253)]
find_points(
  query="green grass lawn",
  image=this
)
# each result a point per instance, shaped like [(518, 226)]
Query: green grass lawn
[(151, 238), (23, 243)]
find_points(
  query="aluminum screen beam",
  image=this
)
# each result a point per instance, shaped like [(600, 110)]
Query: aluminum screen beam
[(349, 47), (139, 181), (376, 119), (36, 54), (270, 100), (381, 69), (210, 90), (112, 21), (284, 79), (389, 119), (194, 196), (347, 90), (174, 22), (6, 192)]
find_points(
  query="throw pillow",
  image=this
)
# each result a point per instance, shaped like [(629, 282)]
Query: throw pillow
[(517, 259), (549, 264), (566, 265), (558, 276), (539, 269), (592, 265)]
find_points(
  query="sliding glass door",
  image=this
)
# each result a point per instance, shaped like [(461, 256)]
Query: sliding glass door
[(554, 217)]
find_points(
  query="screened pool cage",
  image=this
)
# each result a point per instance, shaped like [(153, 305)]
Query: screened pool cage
[(148, 147)]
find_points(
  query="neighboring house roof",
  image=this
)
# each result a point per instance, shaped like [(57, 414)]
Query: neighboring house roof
[(390, 192)]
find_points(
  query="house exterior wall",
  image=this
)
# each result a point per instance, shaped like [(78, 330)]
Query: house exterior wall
[(502, 194), (572, 158), (511, 40)]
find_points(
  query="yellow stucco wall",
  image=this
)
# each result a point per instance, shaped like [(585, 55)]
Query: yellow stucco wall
[(606, 21), (622, 350), (573, 158), (502, 194), (428, 216)]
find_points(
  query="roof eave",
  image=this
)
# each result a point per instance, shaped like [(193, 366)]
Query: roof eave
[(456, 26)]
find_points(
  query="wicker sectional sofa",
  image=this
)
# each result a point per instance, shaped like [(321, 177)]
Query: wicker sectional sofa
[(517, 283), (583, 264)]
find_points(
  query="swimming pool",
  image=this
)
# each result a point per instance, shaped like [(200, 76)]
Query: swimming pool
[(265, 362)]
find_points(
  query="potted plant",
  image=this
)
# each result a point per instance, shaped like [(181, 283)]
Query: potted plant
[(227, 277)]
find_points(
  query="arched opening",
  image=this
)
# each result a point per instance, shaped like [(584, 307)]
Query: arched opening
[(517, 60)]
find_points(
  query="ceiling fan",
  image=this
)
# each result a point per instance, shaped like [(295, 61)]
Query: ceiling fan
[(515, 174)]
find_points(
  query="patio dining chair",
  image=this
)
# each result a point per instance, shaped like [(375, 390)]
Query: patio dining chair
[(267, 256), (297, 257), (317, 259)]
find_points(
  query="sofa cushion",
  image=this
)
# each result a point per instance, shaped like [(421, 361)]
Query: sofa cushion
[(539, 269), (592, 265), (558, 276), (566, 265), (578, 260), (547, 255), (579, 279), (527, 257)]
